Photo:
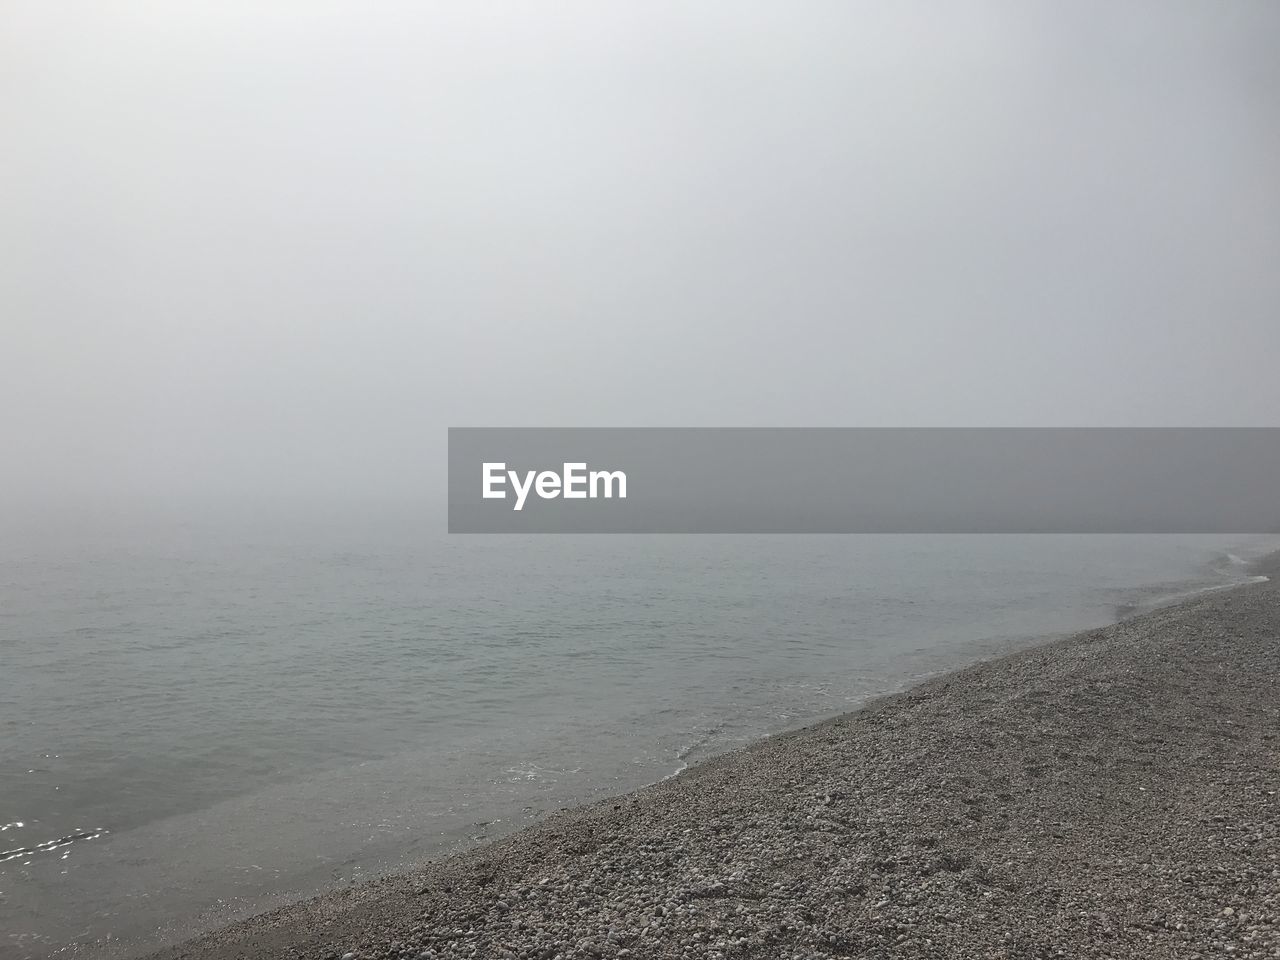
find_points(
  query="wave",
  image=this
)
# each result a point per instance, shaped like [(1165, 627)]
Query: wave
[(1225, 571)]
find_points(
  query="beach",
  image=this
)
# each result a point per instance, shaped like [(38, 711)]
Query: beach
[(717, 481), (1111, 794)]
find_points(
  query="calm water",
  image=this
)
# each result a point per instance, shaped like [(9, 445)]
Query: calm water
[(200, 718)]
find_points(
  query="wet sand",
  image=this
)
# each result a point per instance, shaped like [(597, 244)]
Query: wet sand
[(1111, 794)]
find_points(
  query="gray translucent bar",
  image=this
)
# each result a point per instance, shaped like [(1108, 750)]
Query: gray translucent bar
[(783, 480)]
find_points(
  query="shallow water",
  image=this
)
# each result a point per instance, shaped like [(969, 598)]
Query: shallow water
[(200, 718)]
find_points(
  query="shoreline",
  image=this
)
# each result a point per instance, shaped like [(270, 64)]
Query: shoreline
[(1037, 802)]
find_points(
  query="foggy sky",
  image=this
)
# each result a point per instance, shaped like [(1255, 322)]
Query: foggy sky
[(278, 247)]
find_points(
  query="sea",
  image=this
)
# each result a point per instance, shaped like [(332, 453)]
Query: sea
[(204, 715)]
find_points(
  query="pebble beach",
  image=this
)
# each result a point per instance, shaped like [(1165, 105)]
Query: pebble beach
[(1111, 794)]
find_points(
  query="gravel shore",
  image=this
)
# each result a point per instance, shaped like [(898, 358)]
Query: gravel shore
[(1113, 794)]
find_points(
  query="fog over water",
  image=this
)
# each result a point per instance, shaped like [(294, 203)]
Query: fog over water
[(272, 251), (256, 258)]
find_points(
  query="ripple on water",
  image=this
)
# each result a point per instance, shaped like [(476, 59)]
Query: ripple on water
[(48, 846)]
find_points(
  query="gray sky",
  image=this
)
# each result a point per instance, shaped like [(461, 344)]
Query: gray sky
[(277, 247)]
